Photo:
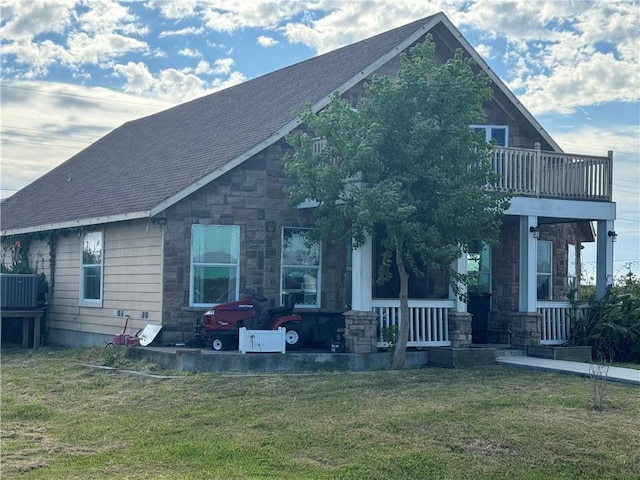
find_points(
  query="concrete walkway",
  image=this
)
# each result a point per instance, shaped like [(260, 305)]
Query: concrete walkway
[(614, 374)]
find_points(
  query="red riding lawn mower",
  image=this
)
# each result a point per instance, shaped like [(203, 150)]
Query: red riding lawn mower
[(219, 327)]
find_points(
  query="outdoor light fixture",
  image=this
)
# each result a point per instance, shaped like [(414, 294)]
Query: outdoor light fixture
[(535, 231), (613, 235)]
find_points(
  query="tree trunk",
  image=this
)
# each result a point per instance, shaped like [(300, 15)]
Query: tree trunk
[(400, 351)]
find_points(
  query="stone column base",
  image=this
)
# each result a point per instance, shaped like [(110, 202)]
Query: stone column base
[(525, 329), (360, 332), (460, 329)]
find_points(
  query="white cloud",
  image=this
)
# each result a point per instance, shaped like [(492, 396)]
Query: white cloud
[(101, 47), (28, 19), (565, 55), (203, 67), (175, 10), (182, 32), (98, 32), (230, 15), (484, 51), (234, 79), (177, 85), (222, 66), (137, 76), (598, 79), (188, 52), (265, 41), (109, 16), (38, 57)]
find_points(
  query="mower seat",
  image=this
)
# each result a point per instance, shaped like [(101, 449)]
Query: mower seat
[(279, 311)]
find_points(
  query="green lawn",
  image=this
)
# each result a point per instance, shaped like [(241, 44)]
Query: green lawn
[(63, 420)]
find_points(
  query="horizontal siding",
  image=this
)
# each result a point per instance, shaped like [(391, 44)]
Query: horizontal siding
[(39, 257), (132, 281)]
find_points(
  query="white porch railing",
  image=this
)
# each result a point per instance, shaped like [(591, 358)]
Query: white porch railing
[(429, 321), (555, 326), (551, 174)]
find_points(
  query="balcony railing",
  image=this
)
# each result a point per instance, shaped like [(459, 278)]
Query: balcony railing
[(533, 172)]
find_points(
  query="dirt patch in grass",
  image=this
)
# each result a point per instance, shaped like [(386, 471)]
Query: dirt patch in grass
[(27, 448)]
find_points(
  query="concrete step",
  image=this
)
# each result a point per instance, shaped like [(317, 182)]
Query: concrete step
[(510, 352)]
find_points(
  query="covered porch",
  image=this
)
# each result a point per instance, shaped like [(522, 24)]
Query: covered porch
[(550, 189)]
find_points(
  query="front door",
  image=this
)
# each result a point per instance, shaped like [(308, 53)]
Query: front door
[(479, 264)]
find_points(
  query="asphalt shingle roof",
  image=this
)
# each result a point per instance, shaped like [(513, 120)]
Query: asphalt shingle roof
[(143, 162)]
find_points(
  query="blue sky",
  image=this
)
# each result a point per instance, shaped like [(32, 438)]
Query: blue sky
[(74, 70)]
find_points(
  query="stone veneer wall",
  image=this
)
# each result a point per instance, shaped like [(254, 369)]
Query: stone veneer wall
[(251, 196)]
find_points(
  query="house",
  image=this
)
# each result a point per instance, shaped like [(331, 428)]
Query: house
[(172, 213)]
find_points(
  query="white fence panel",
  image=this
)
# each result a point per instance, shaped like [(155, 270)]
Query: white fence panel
[(429, 321), (262, 340)]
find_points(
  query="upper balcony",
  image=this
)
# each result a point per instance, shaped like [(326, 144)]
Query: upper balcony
[(538, 173), (533, 172)]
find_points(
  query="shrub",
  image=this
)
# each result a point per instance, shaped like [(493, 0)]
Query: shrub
[(612, 326)]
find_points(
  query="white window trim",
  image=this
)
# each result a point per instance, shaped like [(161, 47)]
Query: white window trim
[(83, 302), (318, 268), (200, 264), (487, 131), (550, 273)]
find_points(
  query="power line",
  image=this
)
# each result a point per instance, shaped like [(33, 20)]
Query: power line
[(50, 138), (41, 144), (83, 96), (47, 131)]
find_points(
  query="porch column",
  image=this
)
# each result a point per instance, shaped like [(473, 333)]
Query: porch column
[(604, 256), (459, 266), (459, 320), (361, 276), (528, 264), (525, 324)]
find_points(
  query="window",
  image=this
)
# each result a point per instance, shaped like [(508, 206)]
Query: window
[(498, 133), (300, 280), (479, 264), (544, 270), (215, 264), (572, 271), (91, 273)]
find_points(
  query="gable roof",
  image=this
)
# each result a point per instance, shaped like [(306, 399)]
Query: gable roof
[(149, 164)]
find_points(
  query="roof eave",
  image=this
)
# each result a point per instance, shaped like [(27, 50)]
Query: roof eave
[(86, 222)]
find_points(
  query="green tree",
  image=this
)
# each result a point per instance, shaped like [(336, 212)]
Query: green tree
[(404, 159)]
